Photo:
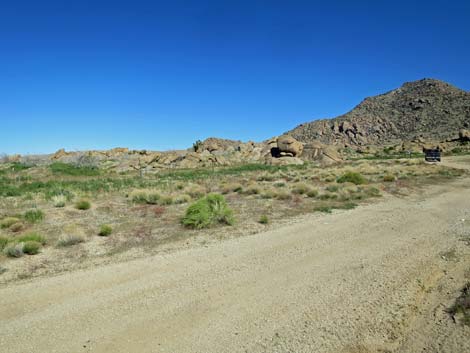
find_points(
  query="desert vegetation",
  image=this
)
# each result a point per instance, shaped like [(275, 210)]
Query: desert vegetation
[(73, 213)]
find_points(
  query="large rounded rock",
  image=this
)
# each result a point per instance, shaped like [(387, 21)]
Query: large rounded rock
[(288, 144), (464, 135)]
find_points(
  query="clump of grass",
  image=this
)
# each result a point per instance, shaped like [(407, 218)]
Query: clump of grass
[(264, 219), (34, 216), (265, 177), (83, 205), (252, 190), (328, 196), (105, 230), (268, 194), (209, 210), (228, 188), (70, 240), (312, 193), (300, 189), (279, 184), (3, 242), (346, 206), (17, 227), (32, 237), (183, 198), (14, 250), (8, 222), (323, 208), (389, 178), (196, 191), (31, 247), (352, 177), (152, 198), (59, 200), (138, 196), (282, 195), (332, 188), (166, 200)]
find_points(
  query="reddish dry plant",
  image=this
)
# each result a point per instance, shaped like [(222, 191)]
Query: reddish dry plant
[(158, 211)]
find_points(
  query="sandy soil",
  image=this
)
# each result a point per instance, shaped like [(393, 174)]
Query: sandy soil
[(374, 279)]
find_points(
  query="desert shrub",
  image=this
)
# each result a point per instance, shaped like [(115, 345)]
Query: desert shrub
[(59, 200), (73, 170), (17, 166), (3, 242), (231, 188), (346, 206), (31, 247), (208, 211), (58, 191), (179, 199), (389, 178), (372, 192), (300, 189), (158, 210), (138, 196), (33, 216), (105, 230), (312, 193), (328, 196), (332, 188), (83, 205), (352, 177), (32, 237), (17, 227), (8, 222), (265, 177), (152, 198), (268, 194), (323, 208), (14, 250), (264, 219), (282, 195), (196, 191), (252, 190), (197, 145), (166, 200), (462, 305), (70, 240)]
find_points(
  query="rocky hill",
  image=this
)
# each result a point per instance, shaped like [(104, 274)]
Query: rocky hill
[(428, 108)]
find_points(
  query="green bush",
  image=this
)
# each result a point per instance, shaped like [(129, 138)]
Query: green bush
[(208, 211), (83, 205), (352, 177), (73, 170), (105, 230), (31, 247), (32, 237), (264, 219), (34, 216)]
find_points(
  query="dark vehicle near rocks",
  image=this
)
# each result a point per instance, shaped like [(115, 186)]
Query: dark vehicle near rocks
[(432, 154)]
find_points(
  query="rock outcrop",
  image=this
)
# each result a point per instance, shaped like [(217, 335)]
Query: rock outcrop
[(428, 108)]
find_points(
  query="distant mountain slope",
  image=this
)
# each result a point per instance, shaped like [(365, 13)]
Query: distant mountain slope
[(429, 108)]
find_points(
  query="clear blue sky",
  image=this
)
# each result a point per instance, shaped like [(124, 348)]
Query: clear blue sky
[(161, 74)]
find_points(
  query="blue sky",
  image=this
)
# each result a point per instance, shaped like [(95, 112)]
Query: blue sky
[(162, 74)]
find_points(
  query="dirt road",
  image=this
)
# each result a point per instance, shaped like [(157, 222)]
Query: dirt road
[(373, 279)]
